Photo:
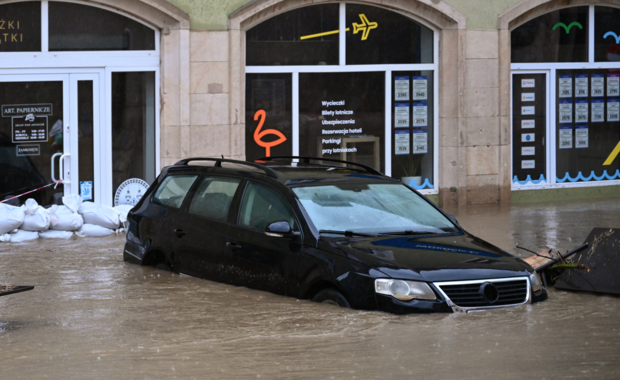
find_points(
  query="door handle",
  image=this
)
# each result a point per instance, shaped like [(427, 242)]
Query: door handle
[(179, 232), (233, 246), (61, 164), (53, 168)]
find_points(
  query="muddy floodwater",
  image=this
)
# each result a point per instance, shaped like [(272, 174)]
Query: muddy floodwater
[(93, 316)]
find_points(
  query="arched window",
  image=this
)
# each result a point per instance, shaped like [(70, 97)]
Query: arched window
[(565, 99), (344, 81), (79, 98)]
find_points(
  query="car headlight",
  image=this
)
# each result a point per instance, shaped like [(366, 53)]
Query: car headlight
[(404, 290), (535, 281)]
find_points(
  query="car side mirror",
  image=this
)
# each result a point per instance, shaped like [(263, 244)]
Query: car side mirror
[(280, 229)]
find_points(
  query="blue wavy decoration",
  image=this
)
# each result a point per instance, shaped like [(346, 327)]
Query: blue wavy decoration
[(580, 176), (529, 179), (422, 186), (613, 35)]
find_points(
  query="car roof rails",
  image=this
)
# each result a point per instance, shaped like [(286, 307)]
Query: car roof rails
[(218, 164), (306, 160)]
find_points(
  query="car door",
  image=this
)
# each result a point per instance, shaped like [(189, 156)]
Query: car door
[(260, 261), (199, 232)]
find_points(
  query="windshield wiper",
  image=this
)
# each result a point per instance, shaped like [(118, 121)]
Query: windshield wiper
[(409, 232), (345, 233)]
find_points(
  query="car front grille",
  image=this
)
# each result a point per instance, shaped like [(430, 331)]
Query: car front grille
[(467, 294)]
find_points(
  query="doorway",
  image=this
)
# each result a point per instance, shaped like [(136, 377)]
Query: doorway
[(48, 132)]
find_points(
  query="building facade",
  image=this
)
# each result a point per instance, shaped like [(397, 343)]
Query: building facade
[(471, 102)]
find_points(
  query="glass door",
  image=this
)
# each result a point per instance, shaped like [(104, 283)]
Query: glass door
[(32, 145), (83, 135), (47, 128)]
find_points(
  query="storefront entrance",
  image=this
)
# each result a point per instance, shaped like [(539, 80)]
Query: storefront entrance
[(48, 126)]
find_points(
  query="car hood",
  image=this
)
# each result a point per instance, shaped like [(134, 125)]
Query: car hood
[(453, 257)]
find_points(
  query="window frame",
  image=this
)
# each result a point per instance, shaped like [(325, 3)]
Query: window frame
[(551, 69), (192, 193), (342, 67), (239, 205)]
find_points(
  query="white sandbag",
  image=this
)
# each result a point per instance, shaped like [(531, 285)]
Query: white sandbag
[(20, 235), (53, 217), (123, 210), (52, 234), (36, 217), (67, 219), (100, 215), (94, 230), (11, 217), (73, 202)]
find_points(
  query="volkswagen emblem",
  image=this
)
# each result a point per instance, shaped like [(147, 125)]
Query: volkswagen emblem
[(489, 292)]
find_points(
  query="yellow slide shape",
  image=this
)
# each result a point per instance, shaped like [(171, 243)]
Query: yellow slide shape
[(613, 155)]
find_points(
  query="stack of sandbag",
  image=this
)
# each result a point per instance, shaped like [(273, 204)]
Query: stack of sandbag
[(11, 218), (19, 224), (99, 220)]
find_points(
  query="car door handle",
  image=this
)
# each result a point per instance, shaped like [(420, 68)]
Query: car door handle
[(233, 246), (180, 233)]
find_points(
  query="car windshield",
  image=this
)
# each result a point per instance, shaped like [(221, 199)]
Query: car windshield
[(371, 208)]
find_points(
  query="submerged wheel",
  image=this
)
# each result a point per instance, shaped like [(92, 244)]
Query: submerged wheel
[(332, 297)]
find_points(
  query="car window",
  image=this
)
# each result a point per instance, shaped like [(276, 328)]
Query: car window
[(213, 197), (173, 190), (261, 205), (373, 208)]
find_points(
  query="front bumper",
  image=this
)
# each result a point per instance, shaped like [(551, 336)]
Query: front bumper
[(443, 303)]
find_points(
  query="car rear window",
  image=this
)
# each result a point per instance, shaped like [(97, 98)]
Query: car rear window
[(173, 190), (213, 197)]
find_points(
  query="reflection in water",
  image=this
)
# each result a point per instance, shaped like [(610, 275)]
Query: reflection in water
[(93, 316)]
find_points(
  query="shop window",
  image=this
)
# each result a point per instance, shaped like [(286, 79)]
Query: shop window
[(377, 36), (341, 116), (606, 34), (412, 121), (346, 111), (305, 36), (93, 28), (20, 27), (559, 36), (133, 127), (587, 126), (566, 121), (268, 116)]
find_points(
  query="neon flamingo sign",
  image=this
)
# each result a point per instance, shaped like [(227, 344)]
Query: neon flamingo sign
[(258, 134)]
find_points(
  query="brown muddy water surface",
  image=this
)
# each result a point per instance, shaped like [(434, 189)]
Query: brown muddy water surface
[(93, 316)]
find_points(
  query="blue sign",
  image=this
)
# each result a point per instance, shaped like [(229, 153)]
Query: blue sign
[(86, 190)]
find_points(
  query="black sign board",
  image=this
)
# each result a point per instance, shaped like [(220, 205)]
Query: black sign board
[(28, 150)]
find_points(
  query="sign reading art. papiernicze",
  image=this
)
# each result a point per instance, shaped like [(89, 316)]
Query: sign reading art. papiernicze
[(28, 121)]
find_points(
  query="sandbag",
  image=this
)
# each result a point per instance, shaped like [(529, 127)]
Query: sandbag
[(123, 210), (11, 218), (94, 231), (36, 217), (53, 216), (19, 236), (52, 234), (100, 215), (73, 202), (67, 219)]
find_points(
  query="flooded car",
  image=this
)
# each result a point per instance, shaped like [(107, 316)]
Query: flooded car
[(325, 230)]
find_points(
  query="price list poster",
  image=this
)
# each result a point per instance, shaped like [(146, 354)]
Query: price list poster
[(529, 126)]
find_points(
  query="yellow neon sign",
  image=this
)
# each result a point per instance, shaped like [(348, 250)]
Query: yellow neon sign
[(365, 27), (613, 155)]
